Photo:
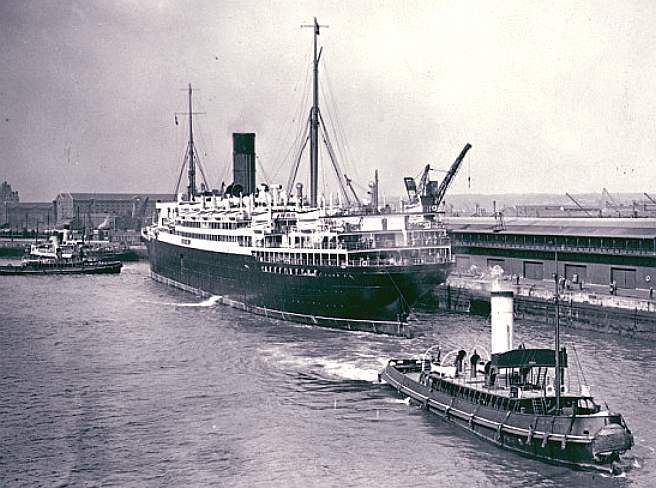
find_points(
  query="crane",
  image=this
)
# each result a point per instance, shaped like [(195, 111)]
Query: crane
[(446, 182), (650, 198), (578, 204), (607, 199), (430, 194)]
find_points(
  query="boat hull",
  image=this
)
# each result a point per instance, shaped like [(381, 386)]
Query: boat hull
[(58, 269), (351, 293), (585, 442)]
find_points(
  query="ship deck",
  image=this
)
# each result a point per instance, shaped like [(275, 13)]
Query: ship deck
[(478, 384)]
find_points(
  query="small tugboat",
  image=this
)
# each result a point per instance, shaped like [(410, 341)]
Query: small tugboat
[(515, 399), (60, 257)]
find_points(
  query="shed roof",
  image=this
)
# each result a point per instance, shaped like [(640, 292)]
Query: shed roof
[(599, 227), (120, 196)]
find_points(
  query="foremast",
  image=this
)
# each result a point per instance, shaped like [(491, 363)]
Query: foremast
[(191, 155), (191, 166)]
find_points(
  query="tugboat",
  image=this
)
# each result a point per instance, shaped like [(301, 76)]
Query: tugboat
[(60, 256), (514, 398)]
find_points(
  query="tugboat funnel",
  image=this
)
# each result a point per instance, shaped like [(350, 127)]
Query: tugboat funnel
[(502, 320)]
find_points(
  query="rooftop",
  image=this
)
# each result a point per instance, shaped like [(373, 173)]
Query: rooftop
[(119, 196), (643, 228)]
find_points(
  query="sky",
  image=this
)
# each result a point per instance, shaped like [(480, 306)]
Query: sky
[(553, 96)]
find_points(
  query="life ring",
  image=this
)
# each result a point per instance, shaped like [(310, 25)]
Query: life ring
[(550, 390), (648, 278), (434, 208), (365, 263)]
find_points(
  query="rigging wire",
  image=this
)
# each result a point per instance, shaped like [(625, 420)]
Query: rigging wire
[(296, 112), (331, 155), (267, 180), (297, 115), (292, 176), (341, 139)]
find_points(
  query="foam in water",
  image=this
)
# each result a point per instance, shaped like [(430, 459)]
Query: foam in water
[(211, 301), (334, 367), (405, 401), (348, 371)]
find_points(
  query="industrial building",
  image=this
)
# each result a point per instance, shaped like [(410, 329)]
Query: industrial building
[(589, 250), (24, 216), (90, 210), (7, 194)]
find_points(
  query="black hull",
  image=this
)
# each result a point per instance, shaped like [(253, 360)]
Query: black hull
[(576, 442), (97, 268), (354, 293)]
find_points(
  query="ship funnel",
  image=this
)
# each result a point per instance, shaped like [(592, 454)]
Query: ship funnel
[(502, 320), (243, 156)]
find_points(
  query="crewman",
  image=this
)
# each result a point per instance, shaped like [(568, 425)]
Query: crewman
[(475, 358)]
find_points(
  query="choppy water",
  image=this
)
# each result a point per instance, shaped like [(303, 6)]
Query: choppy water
[(120, 381)]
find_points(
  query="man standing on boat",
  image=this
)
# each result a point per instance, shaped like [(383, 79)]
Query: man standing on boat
[(475, 358)]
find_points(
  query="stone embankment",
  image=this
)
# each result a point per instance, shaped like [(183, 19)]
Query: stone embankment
[(627, 312)]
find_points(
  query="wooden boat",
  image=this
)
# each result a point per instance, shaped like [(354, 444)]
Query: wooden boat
[(514, 399)]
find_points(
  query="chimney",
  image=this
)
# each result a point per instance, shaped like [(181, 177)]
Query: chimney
[(502, 320), (243, 156)]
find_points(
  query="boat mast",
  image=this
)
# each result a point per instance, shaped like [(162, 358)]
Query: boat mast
[(191, 167), (557, 335)]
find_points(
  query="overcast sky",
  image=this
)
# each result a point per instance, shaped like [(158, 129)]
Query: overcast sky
[(553, 96)]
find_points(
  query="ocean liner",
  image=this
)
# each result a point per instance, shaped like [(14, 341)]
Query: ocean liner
[(275, 251)]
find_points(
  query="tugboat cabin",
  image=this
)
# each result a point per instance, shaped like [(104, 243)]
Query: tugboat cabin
[(519, 380)]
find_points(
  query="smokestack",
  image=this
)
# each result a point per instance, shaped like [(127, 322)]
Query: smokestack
[(502, 321), (243, 157)]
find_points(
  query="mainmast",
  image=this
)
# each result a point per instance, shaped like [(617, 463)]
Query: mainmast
[(191, 166), (314, 121)]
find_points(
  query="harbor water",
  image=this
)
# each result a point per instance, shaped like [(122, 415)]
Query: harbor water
[(122, 381)]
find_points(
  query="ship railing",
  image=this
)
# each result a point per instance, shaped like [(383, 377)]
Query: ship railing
[(391, 262), (359, 246)]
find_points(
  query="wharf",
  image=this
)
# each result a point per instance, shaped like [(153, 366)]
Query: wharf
[(591, 307)]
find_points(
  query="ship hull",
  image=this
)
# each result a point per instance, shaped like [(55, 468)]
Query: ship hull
[(343, 293), (580, 442)]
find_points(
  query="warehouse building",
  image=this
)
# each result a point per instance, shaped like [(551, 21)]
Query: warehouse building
[(90, 210), (591, 250)]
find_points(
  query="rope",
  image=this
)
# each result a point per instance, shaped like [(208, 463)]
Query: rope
[(403, 299)]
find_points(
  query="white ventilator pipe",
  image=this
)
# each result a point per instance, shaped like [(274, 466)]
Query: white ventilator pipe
[(502, 320)]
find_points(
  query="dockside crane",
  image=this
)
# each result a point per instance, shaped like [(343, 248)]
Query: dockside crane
[(607, 199), (448, 178), (578, 204), (428, 192), (649, 197)]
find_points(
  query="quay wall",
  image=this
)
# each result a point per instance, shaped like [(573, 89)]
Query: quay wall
[(607, 314)]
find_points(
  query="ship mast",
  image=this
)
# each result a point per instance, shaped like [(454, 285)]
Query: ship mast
[(191, 167), (314, 120)]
